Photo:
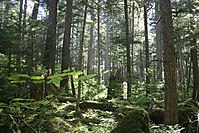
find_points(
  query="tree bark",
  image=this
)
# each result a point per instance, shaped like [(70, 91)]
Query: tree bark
[(133, 30), (171, 97), (194, 60), (18, 56), (50, 45), (66, 59), (127, 44), (91, 45), (80, 61), (107, 64), (30, 54), (146, 43), (98, 43), (158, 41)]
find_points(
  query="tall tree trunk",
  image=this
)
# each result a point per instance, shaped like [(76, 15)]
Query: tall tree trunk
[(80, 61), (194, 60), (133, 30), (24, 22), (113, 47), (127, 44), (66, 59), (4, 20), (142, 63), (146, 47), (18, 56), (171, 97), (98, 42), (4, 15), (50, 45), (107, 50), (91, 45), (158, 41), (24, 28), (30, 49)]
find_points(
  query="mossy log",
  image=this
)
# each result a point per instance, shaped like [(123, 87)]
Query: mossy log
[(106, 106), (135, 120), (131, 119)]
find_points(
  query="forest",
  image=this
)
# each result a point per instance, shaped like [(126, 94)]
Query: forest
[(99, 66)]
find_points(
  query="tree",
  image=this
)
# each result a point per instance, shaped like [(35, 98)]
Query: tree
[(133, 30), (98, 42), (107, 51), (146, 43), (30, 54), (80, 60), (194, 60), (158, 41), (171, 97), (66, 59), (127, 44), (50, 45), (18, 57), (92, 42)]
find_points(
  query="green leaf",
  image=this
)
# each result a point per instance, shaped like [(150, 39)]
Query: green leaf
[(77, 73), (22, 99), (19, 99), (87, 77), (37, 79), (18, 81), (66, 71), (2, 104), (18, 78), (41, 102), (49, 96), (55, 80)]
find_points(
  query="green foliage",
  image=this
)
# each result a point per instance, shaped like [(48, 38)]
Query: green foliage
[(166, 129), (37, 79), (56, 78), (86, 77), (136, 120), (19, 78), (92, 90)]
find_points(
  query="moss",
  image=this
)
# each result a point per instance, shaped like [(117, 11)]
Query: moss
[(57, 125), (157, 115), (135, 120)]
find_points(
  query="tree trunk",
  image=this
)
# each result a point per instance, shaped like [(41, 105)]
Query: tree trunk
[(146, 43), (142, 63), (127, 44), (18, 56), (98, 43), (194, 60), (133, 30), (107, 50), (91, 45), (80, 61), (158, 41), (66, 59), (30, 54), (24, 22), (50, 45), (188, 72), (171, 97)]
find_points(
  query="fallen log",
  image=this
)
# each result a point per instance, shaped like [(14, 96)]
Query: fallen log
[(106, 106)]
